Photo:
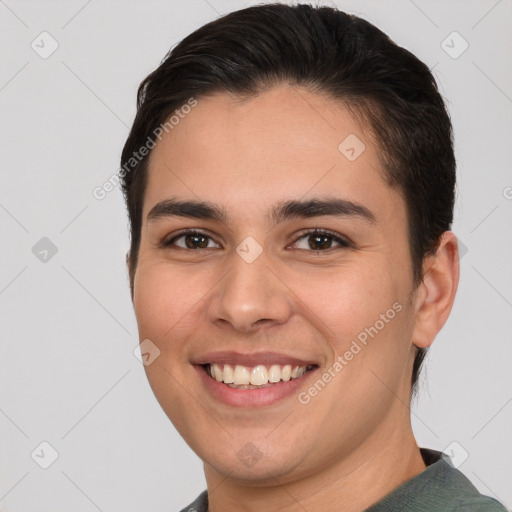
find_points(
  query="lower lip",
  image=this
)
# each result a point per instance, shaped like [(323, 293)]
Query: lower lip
[(252, 397)]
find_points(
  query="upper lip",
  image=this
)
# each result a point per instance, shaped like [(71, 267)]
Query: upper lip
[(253, 359)]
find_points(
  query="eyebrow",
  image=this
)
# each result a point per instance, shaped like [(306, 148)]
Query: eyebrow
[(287, 210), (190, 209), (282, 211)]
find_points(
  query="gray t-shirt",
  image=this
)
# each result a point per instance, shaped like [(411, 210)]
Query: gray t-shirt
[(438, 488)]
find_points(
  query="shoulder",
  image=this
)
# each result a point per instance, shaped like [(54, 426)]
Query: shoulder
[(200, 504), (480, 504), (438, 488), (465, 496)]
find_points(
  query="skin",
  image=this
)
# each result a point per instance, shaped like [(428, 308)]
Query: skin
[(352, 443)]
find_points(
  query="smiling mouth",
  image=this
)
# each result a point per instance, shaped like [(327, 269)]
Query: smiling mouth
[(255, 377)]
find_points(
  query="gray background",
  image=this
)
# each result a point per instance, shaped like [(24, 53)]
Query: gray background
[(69, 376)]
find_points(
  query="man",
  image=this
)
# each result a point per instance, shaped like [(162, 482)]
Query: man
[(290, 181)]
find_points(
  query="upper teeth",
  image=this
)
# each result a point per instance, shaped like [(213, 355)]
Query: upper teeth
[(257, 375)]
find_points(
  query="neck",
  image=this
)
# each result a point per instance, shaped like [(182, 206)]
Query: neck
[(349, 485)]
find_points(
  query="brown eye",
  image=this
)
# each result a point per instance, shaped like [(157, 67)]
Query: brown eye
[(319, 240), (196, 241), (191, 240)]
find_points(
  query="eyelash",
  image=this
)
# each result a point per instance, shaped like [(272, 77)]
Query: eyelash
[(343, 243)]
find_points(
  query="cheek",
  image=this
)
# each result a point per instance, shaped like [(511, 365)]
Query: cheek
[(164, 305), (348, 299), (152, 300), (163, 299), (362, 312)]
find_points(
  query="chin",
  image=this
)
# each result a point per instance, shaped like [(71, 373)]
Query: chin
[(257, 464)]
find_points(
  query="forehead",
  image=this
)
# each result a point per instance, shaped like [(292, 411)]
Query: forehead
[(285, 143)]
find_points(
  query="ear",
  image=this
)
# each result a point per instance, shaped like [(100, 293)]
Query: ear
[(436, 293)]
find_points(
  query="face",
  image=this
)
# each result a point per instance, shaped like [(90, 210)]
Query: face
[(297, 260)]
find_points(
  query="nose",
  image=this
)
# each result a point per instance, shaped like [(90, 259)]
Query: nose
[(250, 296)]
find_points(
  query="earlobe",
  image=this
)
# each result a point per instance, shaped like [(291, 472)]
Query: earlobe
[(436, 294)]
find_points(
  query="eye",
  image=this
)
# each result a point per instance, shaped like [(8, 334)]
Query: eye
[(191, 239), (320, 240)]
